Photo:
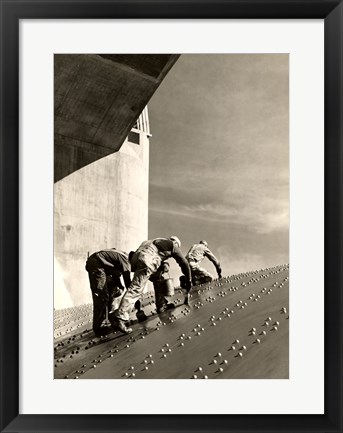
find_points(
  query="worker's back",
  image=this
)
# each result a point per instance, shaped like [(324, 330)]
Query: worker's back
[(196, 253)]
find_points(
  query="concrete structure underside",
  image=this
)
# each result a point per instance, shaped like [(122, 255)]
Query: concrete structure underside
[(235, 328), (98, 98), (101, 159)]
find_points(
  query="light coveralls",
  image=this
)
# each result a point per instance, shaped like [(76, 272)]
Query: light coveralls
[(145, 262), (195, 256)]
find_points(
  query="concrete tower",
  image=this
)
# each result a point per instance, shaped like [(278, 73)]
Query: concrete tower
[(102, 205), (101, 160)]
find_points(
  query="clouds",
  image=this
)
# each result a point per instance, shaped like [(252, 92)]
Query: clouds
[(256, 212), (237, 263), (219, 155)]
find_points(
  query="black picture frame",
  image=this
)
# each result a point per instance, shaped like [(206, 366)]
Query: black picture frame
[(11, 12)]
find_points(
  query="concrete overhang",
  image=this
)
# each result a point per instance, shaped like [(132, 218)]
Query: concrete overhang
[(98, 98)]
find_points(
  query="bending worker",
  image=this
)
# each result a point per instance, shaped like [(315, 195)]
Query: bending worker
[(158, 279), (195, 256), (145, 262), (104, 270)]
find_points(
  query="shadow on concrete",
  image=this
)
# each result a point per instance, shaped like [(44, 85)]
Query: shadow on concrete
[(97, 100)]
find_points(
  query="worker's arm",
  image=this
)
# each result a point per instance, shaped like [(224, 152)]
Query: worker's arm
[(183, 263), (127, 278), (214, 260)]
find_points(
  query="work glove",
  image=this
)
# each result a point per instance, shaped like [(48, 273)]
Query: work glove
[(188, 285)]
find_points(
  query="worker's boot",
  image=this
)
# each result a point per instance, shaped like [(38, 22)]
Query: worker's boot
[(122, 327), (166, 307)]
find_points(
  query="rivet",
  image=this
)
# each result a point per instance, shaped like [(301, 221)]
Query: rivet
[(194, 376), (221, 370), (258, 341), (205, 377)]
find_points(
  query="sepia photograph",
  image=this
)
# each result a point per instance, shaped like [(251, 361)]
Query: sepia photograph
[(171, 216)]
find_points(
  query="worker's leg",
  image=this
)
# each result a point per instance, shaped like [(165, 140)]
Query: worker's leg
[(97, 279), (115, 291), (160, 300), (134, 292), (200, 275)]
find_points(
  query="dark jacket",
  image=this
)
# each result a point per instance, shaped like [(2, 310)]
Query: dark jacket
[(112, 261)]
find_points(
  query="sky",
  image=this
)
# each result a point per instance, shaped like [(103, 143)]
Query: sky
[(219, 158)]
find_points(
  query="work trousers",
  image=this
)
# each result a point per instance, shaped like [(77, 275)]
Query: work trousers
[(199, 275), (105, 288), (145, 264), (160, 300)]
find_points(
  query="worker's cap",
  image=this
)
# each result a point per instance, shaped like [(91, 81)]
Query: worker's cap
[(203, 242), (176, 239)]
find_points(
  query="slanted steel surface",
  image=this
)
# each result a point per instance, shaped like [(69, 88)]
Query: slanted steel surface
[(235, 328)]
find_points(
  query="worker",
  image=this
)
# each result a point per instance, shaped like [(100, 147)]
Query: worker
[(104, 269), (145, 262), (195, 256), (158, 279)]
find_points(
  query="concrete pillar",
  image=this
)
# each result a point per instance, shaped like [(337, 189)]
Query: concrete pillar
[(102, 205)]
